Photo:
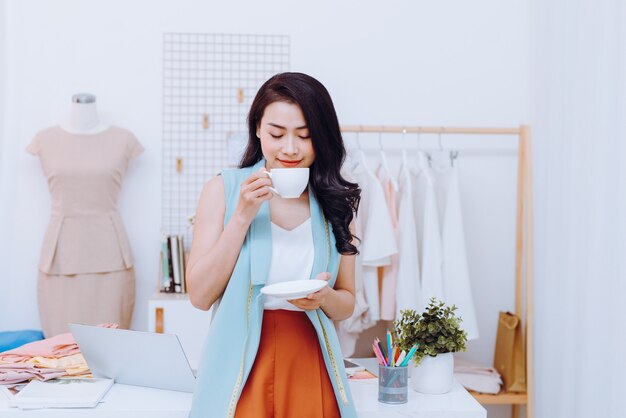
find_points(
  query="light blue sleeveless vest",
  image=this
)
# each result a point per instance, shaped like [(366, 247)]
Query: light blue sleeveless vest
[(233, 339)]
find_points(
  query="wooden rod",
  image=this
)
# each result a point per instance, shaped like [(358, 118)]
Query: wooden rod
[(519, 234), (429, 130), (516, 411), (529, 270)]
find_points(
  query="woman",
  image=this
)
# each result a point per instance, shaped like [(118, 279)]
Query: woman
[(266, 357)]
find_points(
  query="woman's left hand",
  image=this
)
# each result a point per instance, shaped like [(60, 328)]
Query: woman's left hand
[(314, 300)]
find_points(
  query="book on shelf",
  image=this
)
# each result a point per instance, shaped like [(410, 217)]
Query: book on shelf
[(182, 263), (165, 266), (175, 263), (172, 265)]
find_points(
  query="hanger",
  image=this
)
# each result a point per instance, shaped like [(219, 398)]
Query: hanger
[(405, 162), (436, 163), (429, 157), (385, 164), (416, 168), (424, 164), (453, 156), (362, 159), (352, 161), (439, 139), (404, 159)]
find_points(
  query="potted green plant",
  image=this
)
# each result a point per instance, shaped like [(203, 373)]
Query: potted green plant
[(437, 333)]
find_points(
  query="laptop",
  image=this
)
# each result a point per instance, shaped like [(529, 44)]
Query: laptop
[(135, 357)]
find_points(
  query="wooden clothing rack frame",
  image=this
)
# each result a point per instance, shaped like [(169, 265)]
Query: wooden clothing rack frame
[(524, 245)]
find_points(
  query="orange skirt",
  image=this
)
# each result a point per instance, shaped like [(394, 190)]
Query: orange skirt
[(289, 377)]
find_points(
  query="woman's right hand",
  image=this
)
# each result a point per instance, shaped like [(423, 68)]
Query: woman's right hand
[(253, 192)]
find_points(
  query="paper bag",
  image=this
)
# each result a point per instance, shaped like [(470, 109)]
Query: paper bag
[(510, 355)]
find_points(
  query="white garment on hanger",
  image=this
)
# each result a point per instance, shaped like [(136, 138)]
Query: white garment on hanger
[(456, 281), (348, 330), (408, 286), (379, 242), (385, 172), (419, 185), (432, 257), (389, 272)]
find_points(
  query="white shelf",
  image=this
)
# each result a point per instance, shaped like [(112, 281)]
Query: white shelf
[(157, 295)]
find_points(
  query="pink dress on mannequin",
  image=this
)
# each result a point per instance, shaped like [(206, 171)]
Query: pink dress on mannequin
[(86, 270)]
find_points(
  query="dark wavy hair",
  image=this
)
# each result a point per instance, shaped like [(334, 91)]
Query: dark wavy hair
[(338, 197)]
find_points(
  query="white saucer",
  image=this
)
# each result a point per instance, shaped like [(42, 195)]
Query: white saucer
[(294, 289)]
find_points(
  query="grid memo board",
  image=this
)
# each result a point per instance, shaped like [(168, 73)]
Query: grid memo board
[(209, 82)]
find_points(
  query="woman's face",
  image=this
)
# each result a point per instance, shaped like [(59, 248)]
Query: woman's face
[(285, 138)]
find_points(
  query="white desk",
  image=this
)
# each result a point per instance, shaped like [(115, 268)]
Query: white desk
[(123, 401), (458, 403)]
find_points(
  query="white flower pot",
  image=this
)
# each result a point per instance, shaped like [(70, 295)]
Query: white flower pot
[(434, 375)]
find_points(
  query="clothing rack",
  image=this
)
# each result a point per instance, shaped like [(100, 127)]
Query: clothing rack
[(431, 130), (524, 244)]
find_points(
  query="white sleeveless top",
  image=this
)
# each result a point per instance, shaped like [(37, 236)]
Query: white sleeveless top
[(292, 259)]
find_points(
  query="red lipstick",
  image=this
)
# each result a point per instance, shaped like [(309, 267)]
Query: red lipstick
[(287, 163)]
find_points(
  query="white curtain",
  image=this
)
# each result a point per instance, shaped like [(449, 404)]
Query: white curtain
[(579, 139)]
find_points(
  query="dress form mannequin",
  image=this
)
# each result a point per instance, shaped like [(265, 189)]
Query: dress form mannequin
[(84, 117), (85, 270)]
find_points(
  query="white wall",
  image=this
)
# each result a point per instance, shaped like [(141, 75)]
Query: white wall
[(450, 63), (3, 295)]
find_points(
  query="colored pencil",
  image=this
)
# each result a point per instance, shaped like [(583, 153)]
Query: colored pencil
[(382, 352), (379, 355), (389, 346), (401, 357), (408, 356)]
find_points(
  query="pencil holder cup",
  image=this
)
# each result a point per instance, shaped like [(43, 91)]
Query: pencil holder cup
[(392, 384)]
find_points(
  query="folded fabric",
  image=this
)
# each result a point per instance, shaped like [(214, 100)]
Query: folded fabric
[(54, 347), (16, 373), (478, 383), (73, 365), (478, 378)]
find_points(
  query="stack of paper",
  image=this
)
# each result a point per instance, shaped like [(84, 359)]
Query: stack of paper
[(60, 393)]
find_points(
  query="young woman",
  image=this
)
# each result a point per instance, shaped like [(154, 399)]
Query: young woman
[(267, 357)]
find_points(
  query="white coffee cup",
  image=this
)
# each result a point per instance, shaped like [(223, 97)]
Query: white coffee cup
[(289, 183)]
